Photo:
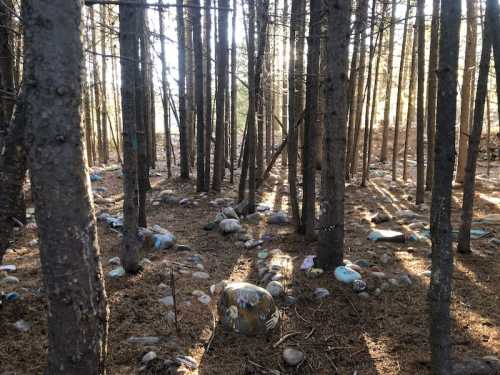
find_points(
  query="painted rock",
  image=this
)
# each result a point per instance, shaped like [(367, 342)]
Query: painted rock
[(247, 309), (346, 275)]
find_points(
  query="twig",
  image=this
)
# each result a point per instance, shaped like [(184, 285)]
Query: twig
[(287, 336), (172, 283), (310, 333), (212, 336), (332, 363), (301, 317)]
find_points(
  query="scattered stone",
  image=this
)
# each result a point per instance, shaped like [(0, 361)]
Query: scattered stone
[(426, 273), (386, 236), (117, 272), (205, 299), (219, 217), (218, 288), (250, 244), (187, 361), (364, 295), (115, 261), (314, 272), (164, 241), (380, 217), (31, 226), (379, 275), (170, 316), (144, 340), (263, 208), (275, 288), (494, 242), (145, 261), (406, 214), (418, 225), (10, 297), (244, 237), (228, 226), (404, 279), (247, 309), (377, 292), (266, 237), (183, 248), (355, 267), (22, 325), (278, 218), (277, 277), (10, 280), (363, 263), (293, 357), (148, 357), (290, 300), (385, 258), (385, 285), (184, 202), (346, 275), (210, 226), (321, 293), (167, 301), (393, 282), (168, 197), (33, 243), (201, 275), (263, 254), (359, 286), (163, 286), (230, 213)]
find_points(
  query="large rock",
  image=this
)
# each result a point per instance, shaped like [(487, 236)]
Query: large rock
[(228, 226), (247, 309)]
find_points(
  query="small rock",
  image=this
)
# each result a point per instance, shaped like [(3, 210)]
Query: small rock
[(380, 217), (293, 357), (218, 288), (167, 301), (183, 248), (417, 225), (170, 316), (115, 261), (290, 300), (201, 275), (346, 275), (117, 272), (184, 201), (144, 261), (12, 296), (230, 213), (393, 282), (277, 277), (263, 254), (275, 288), (363, 263), (254, 218), (426, 273), (278, 218), (164, 241), (219, 217), (148, 357), (33, 243), (210, 226), (22, 326), (263, 208), (385, 258), (404, 279), (406, 214), (364, 295), (379, 275), (377, 292), (355, 267), (10, 280), (314, 272), (144, 340), (205, 299), (321, 293), (250, 244), (8, 268), (228, 226), (359, 286)]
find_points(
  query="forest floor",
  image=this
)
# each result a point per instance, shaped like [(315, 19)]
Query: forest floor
[(342, 333)]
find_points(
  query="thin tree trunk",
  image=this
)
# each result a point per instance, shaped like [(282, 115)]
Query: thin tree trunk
[(207, 25), (331, 233), (69, 250), (97, 93), (234, 93), (7, 93), (128, 52), (104, 110), (432, 93), (190, 99), (284, 96), (251, 135), (183, 124), (221, 68), (442, 254), (467, 89), (388, 90), (420, 102), (310, 122), (164, 81), (399, 101)]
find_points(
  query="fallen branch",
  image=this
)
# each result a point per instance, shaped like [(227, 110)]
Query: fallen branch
[(287, 336)]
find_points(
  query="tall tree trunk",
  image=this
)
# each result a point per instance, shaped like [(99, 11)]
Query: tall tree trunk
[(292, 112), (207, 63), (494, 20), (467, 90), (284, 96), (7, 93), (164, 82), (432, 93), (310, 122), (251, 134), (388, 90), (128, 52), (200, 114), (300, 73), (97, 89), (442, 254), (104, 110), (420, 102), (190, 99), (234, 93), (69, 250), (221, 67), (331, 234), (399, 100), (474, 140), (183, 124)]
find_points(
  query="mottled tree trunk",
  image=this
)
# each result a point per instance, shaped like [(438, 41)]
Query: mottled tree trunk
[(190, 99), (104, 109), (331, 234), (207, 63), (234, 93), (7, 94), (97, 89), (442, 254), (128, 63), (251, 134), (284, 86), (420, 102), (69, 251)]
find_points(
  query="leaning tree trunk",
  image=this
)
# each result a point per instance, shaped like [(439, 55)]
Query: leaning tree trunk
[(221, 67), (183, 124), (466, 94), (474, 140), (331, 234), (69, 250), (442, 254), (420, 102), (431, 93), (128, 52)]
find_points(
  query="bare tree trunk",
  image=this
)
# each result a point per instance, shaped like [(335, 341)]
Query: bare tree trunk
[(388, 90), (284, 96), (331, 234), (69, 250), (183, 124), (467, 90), (420, 102), (399, 101), (104, 110), (300, 73), (432, 93), (251, 135), (442, 254), (310, 122), (128, 52), (7, 92), (221, 67), (164, 81), (207, 25), (190, 100), (97, 92)]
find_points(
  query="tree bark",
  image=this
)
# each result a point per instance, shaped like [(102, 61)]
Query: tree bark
[(284, 95), (234, 93), (251, 134), (331, 233), (104, 110), (7, 94), (207, 63), (420, 102), (442, 254), (97, 91), (69, 250)]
